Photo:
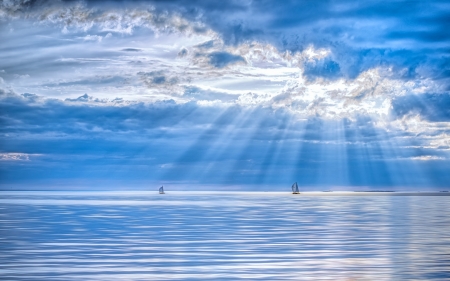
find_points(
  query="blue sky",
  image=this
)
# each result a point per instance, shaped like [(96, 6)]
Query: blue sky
[(246, 95)]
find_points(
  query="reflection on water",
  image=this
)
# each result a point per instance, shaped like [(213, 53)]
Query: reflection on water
[(130, 236)]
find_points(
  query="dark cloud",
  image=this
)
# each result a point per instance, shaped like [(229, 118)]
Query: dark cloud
[(86, 98), (326, 21), (206, 45), (131, 50), (88, 116), (95, 80), (361, 35), (440, 70), (222, 59), (157, 78), (31, 114), (432, 107), (182, 53), (322, 68)]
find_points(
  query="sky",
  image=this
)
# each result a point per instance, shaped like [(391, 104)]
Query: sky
[(225, 95)]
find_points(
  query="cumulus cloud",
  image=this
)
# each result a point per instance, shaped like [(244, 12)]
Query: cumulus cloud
[(350, 49), (91, 16), (378, 38), (371, 93)]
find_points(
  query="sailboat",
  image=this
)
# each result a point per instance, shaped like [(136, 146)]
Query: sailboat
[(161, 190), (295, 188)]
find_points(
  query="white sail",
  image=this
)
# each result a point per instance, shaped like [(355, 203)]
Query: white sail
[(161, 190), (295, 188)]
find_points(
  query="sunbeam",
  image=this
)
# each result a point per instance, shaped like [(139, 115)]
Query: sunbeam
[(222, 153), (189, 163), (270, 163)]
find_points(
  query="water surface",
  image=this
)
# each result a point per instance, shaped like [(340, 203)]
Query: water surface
[(222, 236)]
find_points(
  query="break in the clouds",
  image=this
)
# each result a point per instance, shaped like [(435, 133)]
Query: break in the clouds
[(245, 93)]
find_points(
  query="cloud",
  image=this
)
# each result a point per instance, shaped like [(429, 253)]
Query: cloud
[(431, 107), (360, 36), (183, 52), (131, 50), (206, 45), (96, 16), (92, 38), (14, 157), (158, 79), (222, 59), (201, 94), (292, 24), (87, 98), (327, 69), (30, 114), (100, 80), (427, 158)]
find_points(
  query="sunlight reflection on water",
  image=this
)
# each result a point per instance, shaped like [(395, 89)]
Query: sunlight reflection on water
[(127, 236)]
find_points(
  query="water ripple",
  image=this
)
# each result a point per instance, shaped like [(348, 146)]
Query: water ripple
[(126, 236)]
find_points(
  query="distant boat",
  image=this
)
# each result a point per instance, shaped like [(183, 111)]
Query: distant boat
[(295, 188), (161, 190)]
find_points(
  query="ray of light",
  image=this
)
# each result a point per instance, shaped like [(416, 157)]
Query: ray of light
[(272, 154), (230, 137), (405, 171), (306, 165), (333, 170), (242, 161), (367, 166), (146, 149), (283, 167), (184, 165)]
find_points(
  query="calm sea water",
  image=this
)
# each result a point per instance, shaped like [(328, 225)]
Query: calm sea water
[(222, 236)]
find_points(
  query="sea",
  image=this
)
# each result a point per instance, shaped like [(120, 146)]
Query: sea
[(141, 235)]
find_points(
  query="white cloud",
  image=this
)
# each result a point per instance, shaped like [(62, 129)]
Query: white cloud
[(16, 156), (427, 158), (92, 38)]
